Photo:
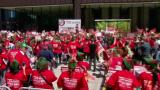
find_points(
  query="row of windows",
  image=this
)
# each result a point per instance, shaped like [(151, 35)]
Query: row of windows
[(47, 17)]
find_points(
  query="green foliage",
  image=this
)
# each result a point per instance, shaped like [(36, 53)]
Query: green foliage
[(101, 25)]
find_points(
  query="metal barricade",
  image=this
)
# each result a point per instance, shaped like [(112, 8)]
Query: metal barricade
[(4, 88)]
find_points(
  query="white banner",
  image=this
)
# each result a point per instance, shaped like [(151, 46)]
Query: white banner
[(69, 25)]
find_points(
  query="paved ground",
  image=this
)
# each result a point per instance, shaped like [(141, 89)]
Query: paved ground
[(93, 84)]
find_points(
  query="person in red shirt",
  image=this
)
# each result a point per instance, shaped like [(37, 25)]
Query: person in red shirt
[(123, 80), (83, 64), (42, 77), (146, 80), (22, 58), (56, 49), (15, 78), (3, 65), (12, 54), (72, 80), (3, 61), (72, 46), (116, 62), (65, 52)]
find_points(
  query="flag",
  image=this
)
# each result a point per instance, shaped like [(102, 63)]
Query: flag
[(100, 49)]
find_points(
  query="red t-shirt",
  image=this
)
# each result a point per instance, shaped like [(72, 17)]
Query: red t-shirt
[(116, 61), (64, 47), (3, 65), (15, 81), (56, 47), (86, 48), (39, 82), (123, 80), (73, 48), (23, 59), (12, 54), (146, 81), (73, 81), (80, 43), (83, 64), (26, 60)]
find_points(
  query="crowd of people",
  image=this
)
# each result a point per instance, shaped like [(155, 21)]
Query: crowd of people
[(131, 60)]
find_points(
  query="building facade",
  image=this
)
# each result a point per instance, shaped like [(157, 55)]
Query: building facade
[(44, 14)]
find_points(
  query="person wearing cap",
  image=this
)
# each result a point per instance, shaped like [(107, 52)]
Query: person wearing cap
[(72, 80), (42, 77), (23, 59), (81, 63), (84, 66), (123, 80), (56, 44), (72, 47), (15, 78)]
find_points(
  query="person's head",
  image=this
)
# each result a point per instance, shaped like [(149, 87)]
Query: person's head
[(72, 65), (14, 67), (42, 64), (23, 47), (80, 56)]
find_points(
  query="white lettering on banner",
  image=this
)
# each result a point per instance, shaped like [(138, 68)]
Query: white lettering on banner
[(69, 25), (125, 82), (37, 80), (13, 83), (70, 82)]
